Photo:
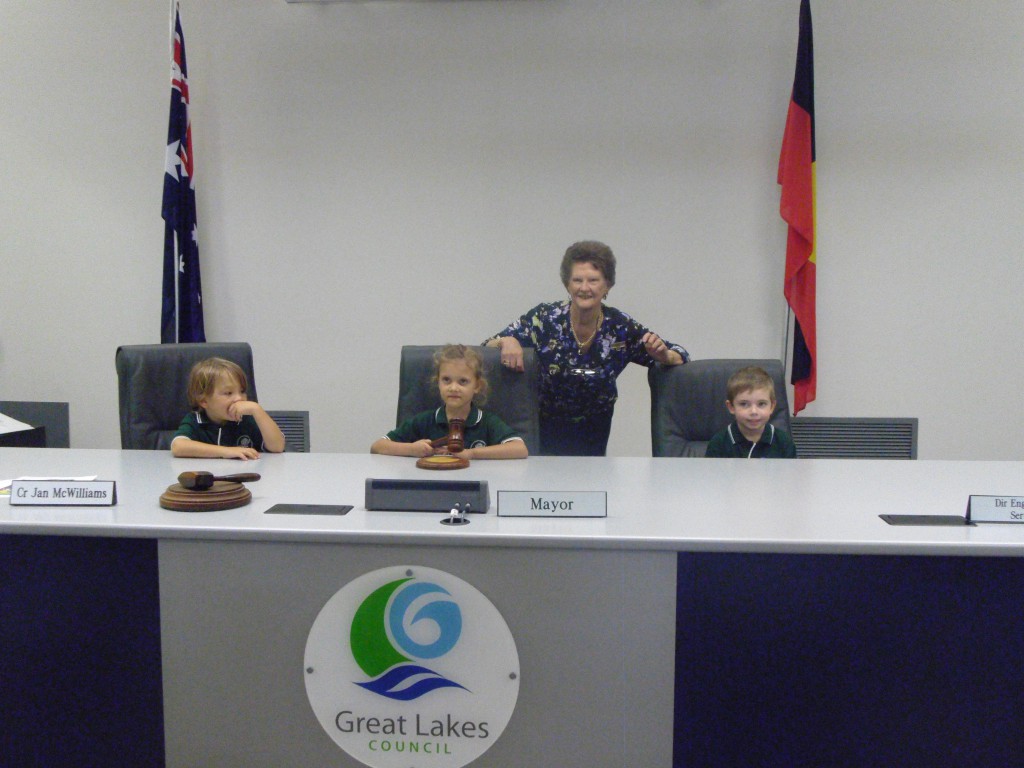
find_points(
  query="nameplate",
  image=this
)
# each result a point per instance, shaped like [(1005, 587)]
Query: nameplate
[(64, 493), (552, 504), (995, 509)]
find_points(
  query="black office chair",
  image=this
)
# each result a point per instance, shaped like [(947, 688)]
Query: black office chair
[(513, 396), (688, 403), (152, 386)]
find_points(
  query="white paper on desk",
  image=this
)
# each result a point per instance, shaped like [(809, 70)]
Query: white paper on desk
[(7, 424)]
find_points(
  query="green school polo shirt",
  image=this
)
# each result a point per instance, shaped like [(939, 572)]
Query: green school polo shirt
[(731, 444), (482, 428), (198, 426)]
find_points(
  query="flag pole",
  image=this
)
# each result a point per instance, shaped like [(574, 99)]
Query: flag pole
[(177, 287), (785, 339), (174, 7)]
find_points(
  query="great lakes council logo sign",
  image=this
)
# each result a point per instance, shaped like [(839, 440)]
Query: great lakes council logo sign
[(410, 666)]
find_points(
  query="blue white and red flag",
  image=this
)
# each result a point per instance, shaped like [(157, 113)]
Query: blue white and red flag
[(182, 311)]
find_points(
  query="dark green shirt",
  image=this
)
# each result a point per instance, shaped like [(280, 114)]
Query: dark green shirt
[(198, 426), (481, 428), (731, 444)]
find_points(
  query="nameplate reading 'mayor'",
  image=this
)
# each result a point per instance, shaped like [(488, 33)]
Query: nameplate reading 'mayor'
[(552, 504), (64, 493), (995, 509)]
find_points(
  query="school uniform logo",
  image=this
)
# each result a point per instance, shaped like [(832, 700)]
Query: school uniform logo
[(406, 664)]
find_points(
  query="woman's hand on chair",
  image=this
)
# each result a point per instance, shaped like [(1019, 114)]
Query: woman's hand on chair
[(511, 353)]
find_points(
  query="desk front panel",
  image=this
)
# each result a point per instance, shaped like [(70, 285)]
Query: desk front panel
[(654, 659), (840, 660), (80, 675), (593, 630)]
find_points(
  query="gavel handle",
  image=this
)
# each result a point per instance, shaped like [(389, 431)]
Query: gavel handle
[(241, 477)]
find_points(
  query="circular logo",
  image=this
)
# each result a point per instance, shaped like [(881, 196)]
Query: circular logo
[(408, 666)]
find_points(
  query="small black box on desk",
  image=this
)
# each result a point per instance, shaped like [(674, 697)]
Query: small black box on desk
[(427, 495)]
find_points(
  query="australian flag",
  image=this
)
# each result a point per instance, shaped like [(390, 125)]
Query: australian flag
[(182, 313)]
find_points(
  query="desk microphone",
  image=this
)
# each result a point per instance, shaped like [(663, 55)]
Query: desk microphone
[(457, 516)]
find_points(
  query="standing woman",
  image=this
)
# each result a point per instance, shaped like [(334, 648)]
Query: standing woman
[(582, 346)]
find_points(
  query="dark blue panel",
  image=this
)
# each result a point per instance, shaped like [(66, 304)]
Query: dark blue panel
[(80, 679), (820, 660)]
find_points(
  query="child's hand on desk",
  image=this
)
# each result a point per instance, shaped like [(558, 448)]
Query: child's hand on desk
[(421, 448), (240, 452)]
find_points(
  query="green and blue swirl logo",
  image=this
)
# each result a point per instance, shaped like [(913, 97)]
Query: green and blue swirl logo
[(383, 643), (408, 662)]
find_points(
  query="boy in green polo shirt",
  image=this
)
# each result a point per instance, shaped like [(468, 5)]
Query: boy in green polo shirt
[(460, 380), (223, 422), (751, 400)]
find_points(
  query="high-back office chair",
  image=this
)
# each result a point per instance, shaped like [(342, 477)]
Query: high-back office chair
[(513, 396), (688, 403), (152, 387)]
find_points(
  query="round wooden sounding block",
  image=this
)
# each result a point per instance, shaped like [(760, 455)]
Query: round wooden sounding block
[(222, 495), (442, 461)]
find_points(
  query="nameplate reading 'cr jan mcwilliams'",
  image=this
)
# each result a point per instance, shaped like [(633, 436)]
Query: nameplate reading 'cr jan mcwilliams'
[(64, 493), (552, 504), (995, 509)]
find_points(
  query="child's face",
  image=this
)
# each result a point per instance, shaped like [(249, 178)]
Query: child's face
[(226, 392), (457, 384), (752, 409)]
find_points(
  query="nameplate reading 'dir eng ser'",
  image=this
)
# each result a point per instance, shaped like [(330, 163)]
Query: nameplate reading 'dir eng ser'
[(552, 504), (995, 509), (64, 493)]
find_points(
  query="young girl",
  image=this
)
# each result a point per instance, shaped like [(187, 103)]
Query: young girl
[(223, 424), (460, 380)]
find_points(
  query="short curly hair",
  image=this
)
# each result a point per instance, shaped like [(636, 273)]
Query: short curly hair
[(589, 252)]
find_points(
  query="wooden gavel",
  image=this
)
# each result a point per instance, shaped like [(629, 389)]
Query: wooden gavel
[(202, 481), (455, 440)]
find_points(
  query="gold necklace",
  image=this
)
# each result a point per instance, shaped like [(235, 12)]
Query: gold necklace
[(581, 344)]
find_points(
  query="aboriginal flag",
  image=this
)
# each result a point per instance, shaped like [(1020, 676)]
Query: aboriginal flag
[(797, 177), (182, 309)]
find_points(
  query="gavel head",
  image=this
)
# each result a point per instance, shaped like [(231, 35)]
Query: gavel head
[(196, 481), (456, 435)]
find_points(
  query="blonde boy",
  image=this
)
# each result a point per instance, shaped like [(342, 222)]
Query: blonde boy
[(223, 423), (750, 398)]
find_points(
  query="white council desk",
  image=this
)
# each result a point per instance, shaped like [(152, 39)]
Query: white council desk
[(725, 612), (808, 506)]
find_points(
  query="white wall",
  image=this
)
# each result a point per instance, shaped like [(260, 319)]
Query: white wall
[(378, 173)]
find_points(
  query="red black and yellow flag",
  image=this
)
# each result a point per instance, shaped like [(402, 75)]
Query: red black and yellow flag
[(797, 177)]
